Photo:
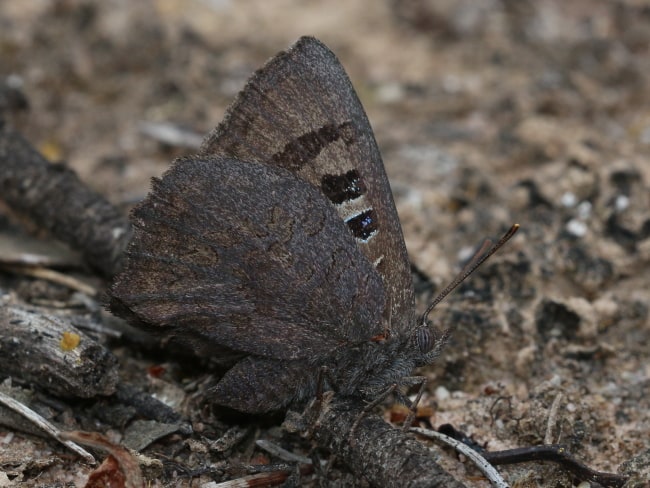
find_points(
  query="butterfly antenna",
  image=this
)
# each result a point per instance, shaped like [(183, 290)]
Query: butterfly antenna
[(486, 250)]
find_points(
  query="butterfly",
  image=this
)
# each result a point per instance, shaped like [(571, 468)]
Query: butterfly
[(279, 245)]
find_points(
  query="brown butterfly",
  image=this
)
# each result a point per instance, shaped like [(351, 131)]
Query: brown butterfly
[(280, 243)]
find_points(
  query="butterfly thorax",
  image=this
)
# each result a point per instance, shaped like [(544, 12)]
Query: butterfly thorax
[(371, 367)]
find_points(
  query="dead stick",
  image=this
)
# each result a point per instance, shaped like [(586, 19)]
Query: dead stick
[(31, 349), (384, 455), (55, 199)]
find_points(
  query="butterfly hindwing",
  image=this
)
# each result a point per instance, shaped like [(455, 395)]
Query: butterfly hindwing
[(300, 112), (226, 252)]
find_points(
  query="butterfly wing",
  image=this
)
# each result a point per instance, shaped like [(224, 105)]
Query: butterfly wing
[(300, 112), (246, 256)]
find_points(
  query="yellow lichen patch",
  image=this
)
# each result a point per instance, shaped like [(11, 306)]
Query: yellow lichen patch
[(69, 341)]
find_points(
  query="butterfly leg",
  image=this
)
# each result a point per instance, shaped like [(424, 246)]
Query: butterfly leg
[(306, 421), (313, 412), (321, 468), (413, 407), (380, 398), (320, 382)]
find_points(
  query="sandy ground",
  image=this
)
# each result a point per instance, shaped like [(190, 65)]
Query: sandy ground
[(487, 113)]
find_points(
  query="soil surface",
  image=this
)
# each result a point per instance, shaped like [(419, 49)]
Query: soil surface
[(487, 113)]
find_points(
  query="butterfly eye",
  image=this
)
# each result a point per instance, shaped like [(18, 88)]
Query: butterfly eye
[(424, 339)]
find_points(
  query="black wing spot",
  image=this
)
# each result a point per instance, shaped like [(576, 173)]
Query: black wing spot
[(363, 225), (343, 188)]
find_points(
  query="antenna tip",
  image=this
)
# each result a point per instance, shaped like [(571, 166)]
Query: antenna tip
[(511, 232)]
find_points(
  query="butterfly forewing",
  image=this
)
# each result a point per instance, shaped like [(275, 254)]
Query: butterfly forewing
[(300, 112)]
